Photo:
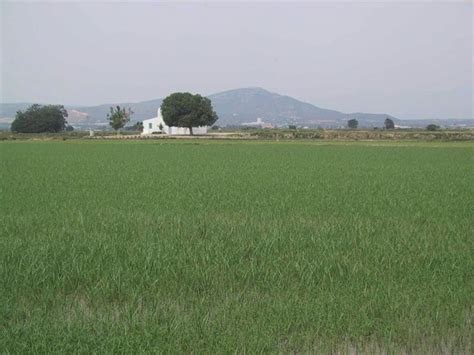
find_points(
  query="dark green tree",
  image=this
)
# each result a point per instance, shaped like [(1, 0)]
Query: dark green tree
[(69, 128), (353, 123), (39, 119), (389, 123), (292, 126), (183, 109), (139, 126), (119, 117), (432, 127)]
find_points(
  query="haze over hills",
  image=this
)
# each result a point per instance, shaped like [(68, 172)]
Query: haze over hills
[(243, 105), (238, 106)]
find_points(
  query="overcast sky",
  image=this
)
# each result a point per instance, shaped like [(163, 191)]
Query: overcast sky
[(408, 59)]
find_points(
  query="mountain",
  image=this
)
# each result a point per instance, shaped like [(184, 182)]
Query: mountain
[(141, 110), (88, 115), (238, 106), (235, 107), (9, 110)]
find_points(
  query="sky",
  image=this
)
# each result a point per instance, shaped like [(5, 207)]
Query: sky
[(408, 59)]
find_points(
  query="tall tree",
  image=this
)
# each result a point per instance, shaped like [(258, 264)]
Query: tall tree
[(119, 117), (39, 119), (389, 123), (353, 123), (183, 109)]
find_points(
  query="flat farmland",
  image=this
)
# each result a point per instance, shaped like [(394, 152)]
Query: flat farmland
[(219, 247)]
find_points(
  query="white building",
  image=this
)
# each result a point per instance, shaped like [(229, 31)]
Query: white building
[(258, 124), (157, 125)]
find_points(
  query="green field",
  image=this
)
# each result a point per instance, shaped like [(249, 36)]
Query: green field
[(217, 247)]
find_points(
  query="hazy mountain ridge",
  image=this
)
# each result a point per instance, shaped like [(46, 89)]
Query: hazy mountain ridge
[(244, 105), (9, 110), (141, 110), (238, 106)]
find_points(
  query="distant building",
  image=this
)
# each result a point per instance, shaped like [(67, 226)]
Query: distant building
[(258, 124), (157, 125)]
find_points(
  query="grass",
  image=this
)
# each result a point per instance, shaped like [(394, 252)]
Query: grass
[(415, 135), (219, 247)]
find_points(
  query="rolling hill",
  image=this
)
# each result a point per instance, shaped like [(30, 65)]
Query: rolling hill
[(238, 106), (243, 105)]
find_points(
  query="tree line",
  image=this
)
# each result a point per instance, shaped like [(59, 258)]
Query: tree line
[(388, 123), (181, 109)]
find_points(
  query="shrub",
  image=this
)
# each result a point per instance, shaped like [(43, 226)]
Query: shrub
[(389, 124), (353, 123), (39, 119), (432, 127)]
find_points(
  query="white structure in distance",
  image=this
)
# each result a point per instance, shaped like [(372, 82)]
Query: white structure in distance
[(157, 125), (258, 124)]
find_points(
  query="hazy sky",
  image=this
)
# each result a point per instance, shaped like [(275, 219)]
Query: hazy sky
[(408, 59)]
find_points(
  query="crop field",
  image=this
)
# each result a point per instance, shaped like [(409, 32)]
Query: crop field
[(220, 247)]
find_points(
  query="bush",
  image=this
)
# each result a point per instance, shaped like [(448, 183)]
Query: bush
[(389, 124), (432, 127), (39, 119), (353, 123)]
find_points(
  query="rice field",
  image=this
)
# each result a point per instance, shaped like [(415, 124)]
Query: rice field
[(220, 247)]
